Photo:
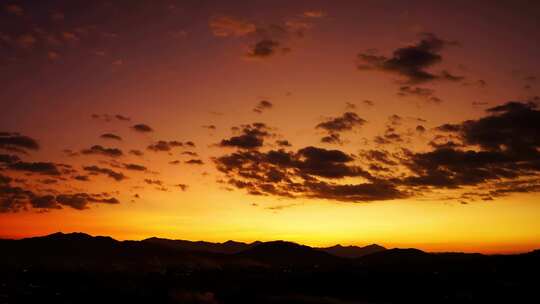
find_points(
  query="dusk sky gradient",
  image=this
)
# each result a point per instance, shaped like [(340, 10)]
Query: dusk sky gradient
[(402, 123)]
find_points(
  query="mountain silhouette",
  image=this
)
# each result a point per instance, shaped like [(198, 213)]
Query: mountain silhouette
[(228, 247), (288, 253), (79, 268), (352, 251)]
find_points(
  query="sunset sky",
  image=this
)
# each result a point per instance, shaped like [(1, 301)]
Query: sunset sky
[(401, 123)]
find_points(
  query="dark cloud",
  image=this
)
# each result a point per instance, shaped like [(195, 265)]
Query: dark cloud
[(264, 48), (334, 126), (82, 178), (332, 138), (109, 118), (100, 150), (189, 153), (111, 136), (422, 93), (264, 39), (194, 162), (8, 159), (44, 202), (164, 146), (411, 62), (350, 106), (368, 102), (345, 122), (309, 172), (17, 143), (262, 106), (122, 117), (15, 199), (507, 148), (379, 156), (511, 127), (118, 176), (156, 182), (135, 167), (495, 155), (283, 143), (136, 152), (210, 127), (70, 153), (80, 201), (183, 187), (143, 128), (46, 168), (252, 137)]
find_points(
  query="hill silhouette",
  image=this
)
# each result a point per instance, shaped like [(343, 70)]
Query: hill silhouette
[(77, 267)]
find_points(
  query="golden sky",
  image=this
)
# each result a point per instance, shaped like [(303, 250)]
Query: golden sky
[(402, 123)]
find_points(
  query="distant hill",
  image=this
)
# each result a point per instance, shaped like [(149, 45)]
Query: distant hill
[(352, 251), (80, 249), (288, 253), (79, 268), (229, 247)]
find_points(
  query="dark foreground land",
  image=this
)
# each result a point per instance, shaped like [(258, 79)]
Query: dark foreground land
[(77, 268)]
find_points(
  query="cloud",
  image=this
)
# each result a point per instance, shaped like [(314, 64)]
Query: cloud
[(183, 187), (17, 143), (164, 145), (368, 103), (122, 117), (189, 153), (411, 62), (309, 172), (332, 138), (265, 40), (500, 147), (345, 122), (136, 152), (143, 128), (135, 167), (494, 155), (80, 201), (82, 178), (109, 118), (334, 126), (422, 93), (156, 182), (16, 199), (100, 150), (194, 162), (264, 48), (45, 168), (8, 159), (252, 137), (110, 136), (229, 26), (117, 176), (262, 106), (283, 143)]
